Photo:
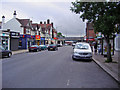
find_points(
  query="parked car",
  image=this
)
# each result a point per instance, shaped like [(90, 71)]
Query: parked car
[(73, 44), (34, 48), (43, 47), (52, 47), (4, 53), (66, 44), (59, 45), (82, 51)]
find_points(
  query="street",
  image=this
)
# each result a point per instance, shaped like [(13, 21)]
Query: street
[(53, 69)]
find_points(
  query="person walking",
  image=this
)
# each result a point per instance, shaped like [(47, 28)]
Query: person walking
[(100, 49), (95, 47)]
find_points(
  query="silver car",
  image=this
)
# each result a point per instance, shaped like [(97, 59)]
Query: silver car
[(83, 51)]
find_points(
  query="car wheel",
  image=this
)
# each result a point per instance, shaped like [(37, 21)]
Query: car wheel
[(73, 58), (9, 54), (37, 50)]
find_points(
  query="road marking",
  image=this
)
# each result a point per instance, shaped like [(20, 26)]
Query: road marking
[(68, 82)]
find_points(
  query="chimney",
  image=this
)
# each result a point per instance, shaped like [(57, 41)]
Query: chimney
[(48, 21), (52, 24), (14, 14), (45, 22), (31, 21), (3, 21), (41, 22)]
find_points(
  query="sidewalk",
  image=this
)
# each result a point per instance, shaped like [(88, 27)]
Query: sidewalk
[(19, 51), (111, 68)]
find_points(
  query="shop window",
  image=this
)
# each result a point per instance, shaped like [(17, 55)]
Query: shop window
[(20, 43)]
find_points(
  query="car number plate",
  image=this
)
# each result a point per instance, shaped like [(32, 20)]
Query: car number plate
[(51, 48)]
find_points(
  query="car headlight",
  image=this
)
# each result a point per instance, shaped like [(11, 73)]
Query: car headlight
[(90, 54), (76, 53)]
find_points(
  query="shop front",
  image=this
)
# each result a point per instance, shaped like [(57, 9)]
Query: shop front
[(14, 40), (33, 41), (37, 38), (55, 39), (5, 40), (25, 41), (46, 41), (42, 42)]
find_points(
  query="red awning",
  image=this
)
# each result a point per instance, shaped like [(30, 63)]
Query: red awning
[(90, 39), (55, 38)]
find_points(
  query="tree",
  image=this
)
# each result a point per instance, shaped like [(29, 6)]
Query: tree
[(59, 34), (103, 15)]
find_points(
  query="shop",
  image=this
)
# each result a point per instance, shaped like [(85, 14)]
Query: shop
[(46, 41), (33, 41), (5, 39), (42, 42), (37, 38), (14, 41), (25, 41)]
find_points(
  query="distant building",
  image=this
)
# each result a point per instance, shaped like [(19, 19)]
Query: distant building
[(90, 34), (0, 24), (70, 40)]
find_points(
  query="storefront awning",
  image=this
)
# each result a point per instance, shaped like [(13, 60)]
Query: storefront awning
[(90, 39)]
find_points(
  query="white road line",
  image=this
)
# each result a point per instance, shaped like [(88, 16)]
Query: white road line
[(68, 82)]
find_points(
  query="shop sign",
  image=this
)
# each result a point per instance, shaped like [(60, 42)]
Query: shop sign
[(4, 34), (55, 38), (37, 37), (15, 34), (91, 39)]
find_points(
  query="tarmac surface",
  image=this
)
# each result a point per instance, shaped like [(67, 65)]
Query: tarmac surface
[(111, 68), (53, 69)]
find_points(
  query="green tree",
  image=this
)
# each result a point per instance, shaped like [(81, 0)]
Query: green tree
[(103, 15), (59, 34)]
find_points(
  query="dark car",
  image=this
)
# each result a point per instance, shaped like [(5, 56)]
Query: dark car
[(5, 53), (34, 48), (52, 47)]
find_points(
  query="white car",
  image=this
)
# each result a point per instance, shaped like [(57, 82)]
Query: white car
[(82, 50)]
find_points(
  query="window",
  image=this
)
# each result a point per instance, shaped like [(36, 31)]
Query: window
[(20, 43), (81, 46)]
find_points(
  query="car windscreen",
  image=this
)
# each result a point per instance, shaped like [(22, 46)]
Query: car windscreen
[(34, 46), (52, 45), (42, 45), (81, 46)]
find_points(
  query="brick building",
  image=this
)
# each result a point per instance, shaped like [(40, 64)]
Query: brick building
[(90, 34)]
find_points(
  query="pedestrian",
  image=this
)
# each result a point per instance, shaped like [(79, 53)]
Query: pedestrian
[(100, 49), (95, 47)]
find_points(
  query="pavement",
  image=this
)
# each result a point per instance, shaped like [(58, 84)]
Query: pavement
[(111, 68), (19, 51)]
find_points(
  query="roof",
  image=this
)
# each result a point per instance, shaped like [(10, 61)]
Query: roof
[(43, 26), (34, 26), (24, 22)]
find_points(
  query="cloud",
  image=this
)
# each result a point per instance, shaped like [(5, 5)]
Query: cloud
[(58, 12), (37, 0)]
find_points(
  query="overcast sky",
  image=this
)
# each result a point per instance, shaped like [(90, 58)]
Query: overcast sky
[(58, 11)]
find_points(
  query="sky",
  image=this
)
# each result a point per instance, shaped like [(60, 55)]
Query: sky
[(58, 11)]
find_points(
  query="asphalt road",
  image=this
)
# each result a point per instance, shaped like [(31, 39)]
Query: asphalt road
[(53, 69)]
